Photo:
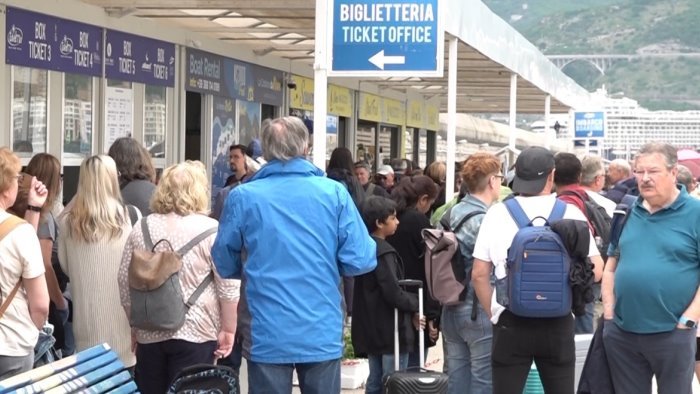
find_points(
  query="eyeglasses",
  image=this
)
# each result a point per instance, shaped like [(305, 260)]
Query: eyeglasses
[(652, 173), (499, 176)]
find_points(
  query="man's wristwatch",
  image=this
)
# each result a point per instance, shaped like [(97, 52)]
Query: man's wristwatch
[(687, 322), (33, 208)]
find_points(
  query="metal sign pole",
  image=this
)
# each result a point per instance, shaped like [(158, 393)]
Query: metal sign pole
[(320, 85), (451, 118), (513, 109)]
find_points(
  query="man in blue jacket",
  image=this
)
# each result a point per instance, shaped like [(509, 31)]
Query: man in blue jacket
[(290, 233)]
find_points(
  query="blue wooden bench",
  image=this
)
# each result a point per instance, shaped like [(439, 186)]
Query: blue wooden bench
[(94, 370)]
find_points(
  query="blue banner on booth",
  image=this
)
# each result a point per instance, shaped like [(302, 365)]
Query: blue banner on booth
[(46, 42), (221, 76), (139, 59)]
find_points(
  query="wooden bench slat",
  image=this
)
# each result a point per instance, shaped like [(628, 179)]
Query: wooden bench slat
[(74, 372), (110, 383), (93, 371), (88, 379), (35, 375), (125, 389)]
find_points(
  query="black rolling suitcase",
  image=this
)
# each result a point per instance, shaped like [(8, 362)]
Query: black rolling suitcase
[(413, 380)]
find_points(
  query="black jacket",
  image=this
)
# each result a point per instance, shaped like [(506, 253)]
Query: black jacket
[(622, 188), (595, 376), (376, 294), (408, 241), (351, 184), (575, 235), (372, 189)]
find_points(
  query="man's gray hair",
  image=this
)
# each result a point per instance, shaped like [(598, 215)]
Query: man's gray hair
[(591, 167), (684, 176), (284, 139), (668, 151), (622, 165)]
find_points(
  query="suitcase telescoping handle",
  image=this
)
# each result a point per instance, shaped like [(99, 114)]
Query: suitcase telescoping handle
[(421, 339)]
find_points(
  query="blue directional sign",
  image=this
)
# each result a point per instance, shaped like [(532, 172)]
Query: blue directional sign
[(589, 124), (386, 38)]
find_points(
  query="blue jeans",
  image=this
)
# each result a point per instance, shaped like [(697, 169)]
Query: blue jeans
[(414, 357), (380, 366), (314, 378), (468, 348), (584, 324)]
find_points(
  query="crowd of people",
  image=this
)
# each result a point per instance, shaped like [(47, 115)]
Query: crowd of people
[(290, 256)]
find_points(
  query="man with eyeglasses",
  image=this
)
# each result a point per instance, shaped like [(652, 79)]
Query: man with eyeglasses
[(651, 301), (517, 340)]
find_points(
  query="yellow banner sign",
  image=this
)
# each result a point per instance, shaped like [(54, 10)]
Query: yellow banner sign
[(433, 117), (416, 114), (394, 112), (303, 96), (340, 101), (369, 107)]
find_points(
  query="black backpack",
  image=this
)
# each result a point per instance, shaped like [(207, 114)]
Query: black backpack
[(620, 217), (598, 218), (205, 378)]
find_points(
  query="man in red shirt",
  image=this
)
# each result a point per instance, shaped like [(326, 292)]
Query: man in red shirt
[(567, 175)]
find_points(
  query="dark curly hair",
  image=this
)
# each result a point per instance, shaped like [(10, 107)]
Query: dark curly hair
[(410, 189), (133, 161)]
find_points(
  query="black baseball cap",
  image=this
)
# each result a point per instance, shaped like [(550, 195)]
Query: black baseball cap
[(532, 168)]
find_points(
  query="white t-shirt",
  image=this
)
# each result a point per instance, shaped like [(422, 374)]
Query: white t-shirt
[(20, 255), (603, 201), (498, 230)]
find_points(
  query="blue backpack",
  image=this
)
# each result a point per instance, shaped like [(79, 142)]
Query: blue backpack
[(537, 283)]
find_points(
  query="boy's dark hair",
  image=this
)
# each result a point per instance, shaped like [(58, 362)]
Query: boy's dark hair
[(377, 208), (567, 169)]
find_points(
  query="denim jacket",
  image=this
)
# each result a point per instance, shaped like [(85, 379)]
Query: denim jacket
[(466, 234)]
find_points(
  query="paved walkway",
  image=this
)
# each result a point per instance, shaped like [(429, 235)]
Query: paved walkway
[(435, 361)]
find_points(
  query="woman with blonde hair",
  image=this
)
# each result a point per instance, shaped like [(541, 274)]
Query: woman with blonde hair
[(24, 299), (179, 214), (94, 228), (437, 171)]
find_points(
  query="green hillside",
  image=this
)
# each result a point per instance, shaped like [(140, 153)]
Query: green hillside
[(619, 27)]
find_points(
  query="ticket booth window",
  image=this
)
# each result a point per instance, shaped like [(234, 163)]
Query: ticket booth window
[(77, 116), (154, 114), (29, 110)]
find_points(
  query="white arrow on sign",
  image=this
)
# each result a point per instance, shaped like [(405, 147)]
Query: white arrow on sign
[(380, 60)]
